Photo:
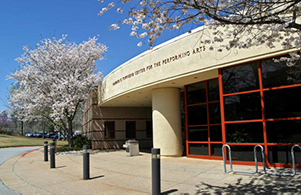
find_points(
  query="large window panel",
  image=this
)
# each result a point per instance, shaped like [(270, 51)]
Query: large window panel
[(196, 93), (282, 154), (240, 78), (197, 115), (244, 133), (216, 149), (213, 93), (284, 131), (216, 133), (109, 129), (214, 113), (198, 149), (130, 129), (244, 153), (198, 134), (283, 103), (242, 107), (275, 74)]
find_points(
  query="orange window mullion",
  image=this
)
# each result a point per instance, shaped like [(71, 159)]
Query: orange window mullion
[(208, 129), (186, 120), (222, 110), (263, 113)]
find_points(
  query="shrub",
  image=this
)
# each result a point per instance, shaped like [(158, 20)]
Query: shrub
[(79, 142)]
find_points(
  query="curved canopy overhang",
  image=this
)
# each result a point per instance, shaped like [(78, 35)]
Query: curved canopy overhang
[(175, 63)]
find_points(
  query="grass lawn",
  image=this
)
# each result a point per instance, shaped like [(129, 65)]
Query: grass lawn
[(13, 141)]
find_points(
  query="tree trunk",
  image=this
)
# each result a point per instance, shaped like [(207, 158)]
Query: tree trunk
[(43, 129), (22, 128), (70, 133)]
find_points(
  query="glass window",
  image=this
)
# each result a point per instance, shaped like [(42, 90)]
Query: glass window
[(244, 153), (284, 131), (109, 129), (216, 149), (282, 103), (198, 134), (244, 133), (149, 129), (275, 74), (214, 113), (198, 149), (216, 133), (130, 129), (196, 93), (213, 93), (242, 107), (282, 154), (197, 115), (240, 78)]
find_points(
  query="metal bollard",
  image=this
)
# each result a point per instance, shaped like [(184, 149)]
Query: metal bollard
[(156, 172), (86, 162), (52, 155), (54, 141), (45, 151)]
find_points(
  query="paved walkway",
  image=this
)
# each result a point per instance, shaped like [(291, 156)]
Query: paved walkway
[(114, 173)]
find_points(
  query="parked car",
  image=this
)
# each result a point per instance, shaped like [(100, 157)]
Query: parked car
[(57, 135), (29, 134), (39, 135), (75, 135)]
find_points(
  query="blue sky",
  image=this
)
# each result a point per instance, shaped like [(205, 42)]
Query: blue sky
[(26, 22)]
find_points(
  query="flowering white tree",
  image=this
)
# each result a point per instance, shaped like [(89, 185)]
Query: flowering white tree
[(54, 79), (261, 21)]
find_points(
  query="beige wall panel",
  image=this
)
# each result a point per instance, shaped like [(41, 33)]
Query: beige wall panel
[(119, 125), (96, 125), (140, 125), (167, 134), (119, 135), (96, 112), (126, 112)]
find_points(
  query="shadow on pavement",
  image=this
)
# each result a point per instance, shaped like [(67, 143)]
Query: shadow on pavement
[(61, 167), (97, 177), (169, 192), (259, 184)]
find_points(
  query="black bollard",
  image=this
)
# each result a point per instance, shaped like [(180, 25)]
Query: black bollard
[(86, 162), (45, 151), (54, 141), (52, 155), (156, 172)]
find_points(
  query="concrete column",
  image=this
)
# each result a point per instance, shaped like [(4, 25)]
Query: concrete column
[(167, 121)]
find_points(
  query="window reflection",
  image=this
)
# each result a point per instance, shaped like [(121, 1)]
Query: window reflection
[(198, 134), (198, 149), (196, 93), (244, 133), (242, 107), (283, 103), (284, 131), (216, 149), (275, 74), (244, 153), (213, 87), (240, 78), (109, 129), (216, 133), (282, 154), (214, 113), (197, 115)]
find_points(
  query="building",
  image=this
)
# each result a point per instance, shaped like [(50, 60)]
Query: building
[(185, 99)]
